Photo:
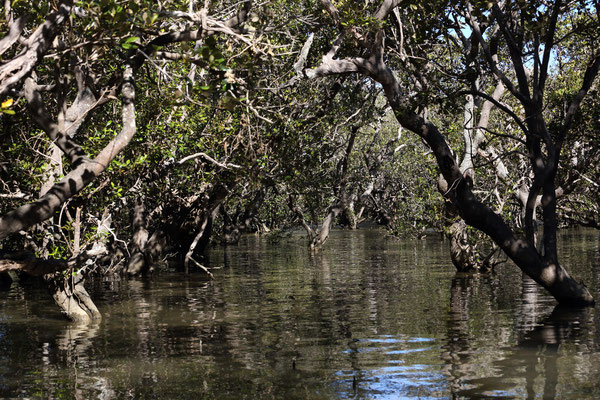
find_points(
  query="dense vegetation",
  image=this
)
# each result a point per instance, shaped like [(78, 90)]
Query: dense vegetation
[(135, 132)]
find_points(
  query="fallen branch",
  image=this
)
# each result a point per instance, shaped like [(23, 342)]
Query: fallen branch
[(27, 262), (203, 268), (208, 158)]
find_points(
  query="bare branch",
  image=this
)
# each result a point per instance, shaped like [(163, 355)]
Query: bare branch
[(548, 44), (515, 51), (385, 8), (301, 62), (14, 33), (208, 158), (85, 172), (332, 67), (36, 46)]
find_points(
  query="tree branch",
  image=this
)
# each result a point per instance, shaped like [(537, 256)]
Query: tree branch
[(14, 33), (548, 44), (34, 103), (36, 46), (81, 176), (515, 51), (208, 158), (385, 8)]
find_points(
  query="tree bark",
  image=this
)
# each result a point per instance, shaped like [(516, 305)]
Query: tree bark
[(82, 175), (545, 270), (138, 262), (72, 298)]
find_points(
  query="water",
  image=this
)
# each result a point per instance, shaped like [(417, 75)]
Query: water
[(367, 318)]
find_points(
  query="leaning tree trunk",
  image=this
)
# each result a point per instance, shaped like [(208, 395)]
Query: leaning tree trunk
[(72, 298), (548, 273), (543, 268), (323, 232)]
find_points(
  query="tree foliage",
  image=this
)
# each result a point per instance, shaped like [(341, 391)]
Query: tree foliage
[(147, 129)]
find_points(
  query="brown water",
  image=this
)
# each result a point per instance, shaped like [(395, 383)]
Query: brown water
[(367, 318)]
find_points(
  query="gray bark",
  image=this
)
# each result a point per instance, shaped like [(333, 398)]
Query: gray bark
[(544, 269), (35, 46), (72, 298), (82, 175)]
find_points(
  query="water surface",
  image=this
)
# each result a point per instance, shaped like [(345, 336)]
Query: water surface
[(369, 317)]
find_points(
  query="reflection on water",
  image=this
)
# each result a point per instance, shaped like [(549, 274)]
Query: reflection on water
[(366, 318), (397, 374)]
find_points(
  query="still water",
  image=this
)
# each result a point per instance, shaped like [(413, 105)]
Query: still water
[(369, 317)]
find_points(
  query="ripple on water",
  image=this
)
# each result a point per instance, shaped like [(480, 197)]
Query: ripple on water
[(391, 367)]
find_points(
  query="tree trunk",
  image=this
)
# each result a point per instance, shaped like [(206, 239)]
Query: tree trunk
[(323, 233), (462, 252), (138, 262), (549, 275), (72, 298)]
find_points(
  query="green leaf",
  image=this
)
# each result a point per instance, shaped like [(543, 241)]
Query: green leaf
[(130, 42)]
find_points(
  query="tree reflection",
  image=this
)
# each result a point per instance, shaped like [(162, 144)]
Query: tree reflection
[(532, 366), (76, 345), (456, 352), (563, 325)]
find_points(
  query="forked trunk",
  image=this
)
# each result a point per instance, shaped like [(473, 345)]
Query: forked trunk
[(72, 298)]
